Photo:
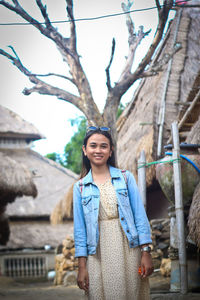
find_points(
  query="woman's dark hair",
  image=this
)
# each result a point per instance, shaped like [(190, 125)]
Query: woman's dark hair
[(86, 166)]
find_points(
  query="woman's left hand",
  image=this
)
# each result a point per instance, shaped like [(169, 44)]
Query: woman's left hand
[(146, 264)]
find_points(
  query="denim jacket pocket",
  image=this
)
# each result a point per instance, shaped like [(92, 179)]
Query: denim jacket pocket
[(123, 194), (87, 204)]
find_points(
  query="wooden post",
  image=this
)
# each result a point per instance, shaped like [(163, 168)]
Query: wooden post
[(179, 210), (142, 177), (161, 116)]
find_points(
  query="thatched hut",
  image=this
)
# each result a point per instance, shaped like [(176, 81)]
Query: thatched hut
[(51, 180), (16, 179), (15, 130), (145, 124), (23, 172), (64, 208), (194, 213), (194, 135), (164, 98), (194, 217), (172, 94)]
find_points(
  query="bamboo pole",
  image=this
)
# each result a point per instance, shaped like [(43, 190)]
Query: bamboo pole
[(179, 210), (161, 117), (142, 177), (189, 110)]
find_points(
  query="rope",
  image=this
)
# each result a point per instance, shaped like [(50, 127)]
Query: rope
[(158, 162), (186, 158)]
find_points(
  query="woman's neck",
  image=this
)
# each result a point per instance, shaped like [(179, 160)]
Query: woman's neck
[(100, 174)]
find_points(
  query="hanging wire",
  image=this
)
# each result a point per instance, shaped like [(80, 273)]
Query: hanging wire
[(94, 18)]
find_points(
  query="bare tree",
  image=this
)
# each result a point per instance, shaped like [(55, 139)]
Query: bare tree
[(68, 49)]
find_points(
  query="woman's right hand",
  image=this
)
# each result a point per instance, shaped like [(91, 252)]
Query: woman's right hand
[(83, 278)]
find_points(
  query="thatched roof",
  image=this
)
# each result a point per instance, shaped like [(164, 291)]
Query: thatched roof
[(37, 235), (51, 179), (194, 135), (160, 99), (64, 208), (15, 180), (194, 217), (194, 213), (12, 125)]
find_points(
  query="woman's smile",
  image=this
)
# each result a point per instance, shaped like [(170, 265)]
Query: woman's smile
[(98, 149)]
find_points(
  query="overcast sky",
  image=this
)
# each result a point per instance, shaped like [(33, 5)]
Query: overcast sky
[(37, 53)]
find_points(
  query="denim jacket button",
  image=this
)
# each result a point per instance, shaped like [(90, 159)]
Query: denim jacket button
[(127, 230), (132, 244), (122, 219)]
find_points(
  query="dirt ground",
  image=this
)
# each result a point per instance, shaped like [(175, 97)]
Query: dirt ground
[(12, 290)]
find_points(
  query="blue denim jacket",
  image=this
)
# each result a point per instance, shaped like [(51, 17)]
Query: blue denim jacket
[(132, 214)]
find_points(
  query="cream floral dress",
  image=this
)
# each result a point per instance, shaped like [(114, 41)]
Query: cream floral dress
[(113, 270)]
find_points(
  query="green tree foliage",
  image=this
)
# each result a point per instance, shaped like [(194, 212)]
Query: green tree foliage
[(53, 156), (72, 151), (120, 110)]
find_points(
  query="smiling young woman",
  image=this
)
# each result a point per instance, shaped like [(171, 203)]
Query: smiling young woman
[(111, 229), (98, 151)]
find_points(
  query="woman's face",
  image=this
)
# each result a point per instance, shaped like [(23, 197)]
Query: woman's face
[(97, 149)]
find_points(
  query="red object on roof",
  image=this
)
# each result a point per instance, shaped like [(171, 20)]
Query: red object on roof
[(179, 2)]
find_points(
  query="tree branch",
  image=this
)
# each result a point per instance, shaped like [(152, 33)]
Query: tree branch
[(129, 23), (72, 25), (54, 74), (44, 88), (158, 5), (127, 78), (134, 40), (67, 48), (48, 31), (43, 10), (163, 15), (109, 65), (40, 86), (15, 2), (18, 9)]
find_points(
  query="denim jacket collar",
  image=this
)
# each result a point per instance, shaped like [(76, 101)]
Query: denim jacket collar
[(114, 173)]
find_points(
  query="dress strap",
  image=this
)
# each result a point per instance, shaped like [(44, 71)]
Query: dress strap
[(81, 185), (125, 177)]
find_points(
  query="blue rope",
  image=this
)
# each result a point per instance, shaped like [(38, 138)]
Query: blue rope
[(186, 158)]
